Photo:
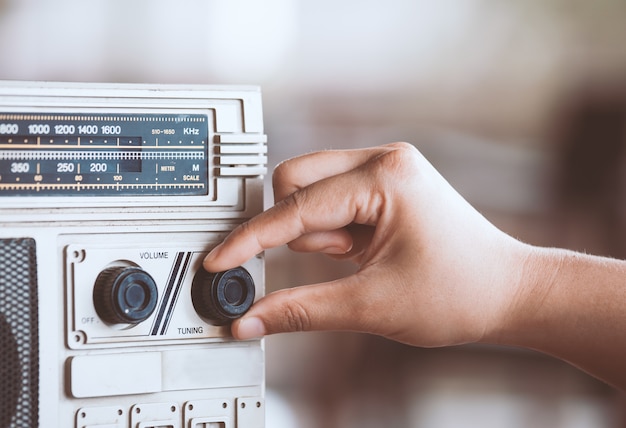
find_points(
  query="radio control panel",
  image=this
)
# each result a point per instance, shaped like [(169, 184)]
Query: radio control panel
[(146, 293)]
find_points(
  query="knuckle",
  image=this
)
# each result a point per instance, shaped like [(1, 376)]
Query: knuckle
[(295, 317), (295, 204), (402, 146), (283, 174), (401, 154), (285, 179), (248, 229), (401, 161)]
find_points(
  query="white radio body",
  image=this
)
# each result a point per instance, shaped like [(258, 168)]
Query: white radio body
[(110, 197)]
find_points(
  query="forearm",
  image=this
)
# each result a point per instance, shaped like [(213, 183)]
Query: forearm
[(572, 306)]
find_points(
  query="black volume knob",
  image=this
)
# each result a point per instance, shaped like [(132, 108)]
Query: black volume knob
[(224, 296), (124, 295)]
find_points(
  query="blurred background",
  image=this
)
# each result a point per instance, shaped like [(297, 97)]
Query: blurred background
[(520, 104)]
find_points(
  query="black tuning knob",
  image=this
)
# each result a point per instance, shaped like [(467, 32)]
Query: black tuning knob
[(224, 296), (124, 295)]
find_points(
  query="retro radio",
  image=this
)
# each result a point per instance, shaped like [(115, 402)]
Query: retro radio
[(110, 197)]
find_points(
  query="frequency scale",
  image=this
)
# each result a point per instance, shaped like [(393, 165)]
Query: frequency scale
[(64, 154)]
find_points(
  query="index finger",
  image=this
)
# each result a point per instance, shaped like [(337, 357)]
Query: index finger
[(324, 205)]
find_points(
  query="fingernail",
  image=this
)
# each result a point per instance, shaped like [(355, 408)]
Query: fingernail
[(251, 328), (334, 250)]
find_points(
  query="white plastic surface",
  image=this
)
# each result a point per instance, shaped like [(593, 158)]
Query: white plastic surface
[(115, 374), (95, 375)]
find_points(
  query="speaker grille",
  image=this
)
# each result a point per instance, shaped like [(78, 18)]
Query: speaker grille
[(19, 347)]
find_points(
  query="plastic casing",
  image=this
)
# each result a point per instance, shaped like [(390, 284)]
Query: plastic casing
[(175, 369)]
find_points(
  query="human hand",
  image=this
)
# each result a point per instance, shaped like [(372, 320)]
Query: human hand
[(431, 270)]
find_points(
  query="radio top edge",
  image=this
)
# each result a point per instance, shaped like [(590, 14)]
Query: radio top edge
[(107, 89)]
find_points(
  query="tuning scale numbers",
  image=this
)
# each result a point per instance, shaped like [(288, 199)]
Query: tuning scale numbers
[(66, 154)]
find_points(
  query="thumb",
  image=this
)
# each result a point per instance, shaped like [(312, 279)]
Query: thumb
[(326, 306)]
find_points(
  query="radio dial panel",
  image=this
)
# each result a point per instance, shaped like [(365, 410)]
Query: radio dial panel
[(140, 154)]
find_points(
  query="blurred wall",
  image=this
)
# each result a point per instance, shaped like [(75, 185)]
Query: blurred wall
[(520, 104)]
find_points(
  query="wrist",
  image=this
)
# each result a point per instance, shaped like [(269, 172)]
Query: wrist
[(528, 275), (569, 305)]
